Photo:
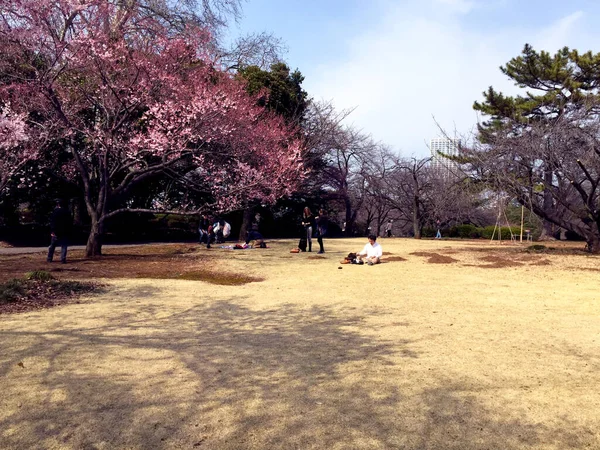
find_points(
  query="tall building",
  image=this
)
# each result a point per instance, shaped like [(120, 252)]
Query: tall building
[(441, 148)]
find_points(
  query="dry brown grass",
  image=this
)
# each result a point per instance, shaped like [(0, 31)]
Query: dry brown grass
[(410, 354)]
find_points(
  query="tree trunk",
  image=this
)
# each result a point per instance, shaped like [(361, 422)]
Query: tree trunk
[(415, 219), (593, 245), (246, 222), (349, 218), (548, 227), (94, 242)]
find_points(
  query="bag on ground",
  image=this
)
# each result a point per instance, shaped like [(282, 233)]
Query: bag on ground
[(302, 244)]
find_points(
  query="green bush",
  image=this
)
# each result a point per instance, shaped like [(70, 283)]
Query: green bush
[(182, 222), (428, 232), (11, 290), (465, 231), (488, 231), (39, 275)]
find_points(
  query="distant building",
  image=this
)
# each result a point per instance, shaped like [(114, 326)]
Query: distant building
[(441, 148)]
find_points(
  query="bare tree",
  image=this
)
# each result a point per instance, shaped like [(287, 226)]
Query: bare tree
[(377, 206), (254, 49), (343, 173), (409, 185), (552, 168)]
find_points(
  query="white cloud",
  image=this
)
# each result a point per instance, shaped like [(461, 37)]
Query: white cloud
[(415, 66), (559, 33)]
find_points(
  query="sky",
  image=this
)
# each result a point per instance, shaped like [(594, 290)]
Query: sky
[(413, 67)]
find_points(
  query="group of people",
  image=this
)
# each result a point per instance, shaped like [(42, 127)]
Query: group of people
[(310, 223), (313, 226), (216, 231), (213, 231), (370, 254)]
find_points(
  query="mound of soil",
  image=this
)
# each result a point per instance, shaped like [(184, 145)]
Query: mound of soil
[(435, 258)]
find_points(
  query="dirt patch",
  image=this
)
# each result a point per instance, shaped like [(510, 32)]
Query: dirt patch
[(529, 258), (22, 295), (166, 261), (541, 262), (387, 253), (435, 258), (587, 269), (223, 279), (394, 259), (316, 257), (152, 261), (497, 262)]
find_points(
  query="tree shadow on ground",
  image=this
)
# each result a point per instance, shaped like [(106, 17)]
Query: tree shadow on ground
[(221, 375), (457, 418)]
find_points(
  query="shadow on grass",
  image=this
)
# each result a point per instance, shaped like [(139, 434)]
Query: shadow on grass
[(224, 376)]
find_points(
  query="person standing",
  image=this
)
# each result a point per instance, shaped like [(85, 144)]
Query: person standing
[(61, 224), (210, 235), (322, 222), (307, 222), (203, 229), (438, 235), (388, 228)]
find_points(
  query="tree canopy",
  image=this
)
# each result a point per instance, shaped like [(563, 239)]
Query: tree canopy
[(543, 147), (278, 89), (130, 97)]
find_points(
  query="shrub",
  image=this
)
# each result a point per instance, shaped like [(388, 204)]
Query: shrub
[(488, 231), (12, 290), (465, 231), (428, 232), (39, 275)]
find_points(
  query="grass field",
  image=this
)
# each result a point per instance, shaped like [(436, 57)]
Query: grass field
[(446, 345)]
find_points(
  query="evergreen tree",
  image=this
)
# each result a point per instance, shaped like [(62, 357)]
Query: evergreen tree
[(541, 147)]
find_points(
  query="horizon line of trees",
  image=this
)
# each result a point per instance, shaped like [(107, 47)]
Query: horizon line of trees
[(138, 107)]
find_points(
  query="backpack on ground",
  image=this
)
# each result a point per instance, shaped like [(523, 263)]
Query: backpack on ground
[(302, 244)]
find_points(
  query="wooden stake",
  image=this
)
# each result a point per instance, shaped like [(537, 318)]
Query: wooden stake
[(522, 215)]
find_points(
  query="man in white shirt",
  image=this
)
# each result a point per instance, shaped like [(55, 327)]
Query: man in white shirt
[(371, 253)]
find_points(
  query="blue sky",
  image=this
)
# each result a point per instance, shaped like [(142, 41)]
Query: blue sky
[(402, 63)]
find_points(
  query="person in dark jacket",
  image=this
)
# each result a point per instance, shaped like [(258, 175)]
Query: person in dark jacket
[(322, 222), (203, 229), (61, 224), (308, 222)]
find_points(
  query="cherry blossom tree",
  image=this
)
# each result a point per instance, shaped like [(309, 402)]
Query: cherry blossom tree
[(131, 99), (14, 151)]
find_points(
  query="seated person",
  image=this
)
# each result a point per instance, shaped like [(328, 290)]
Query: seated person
[(253, 236), (371, 252)]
